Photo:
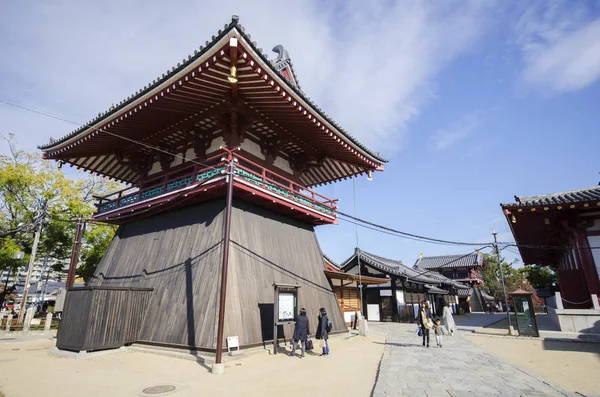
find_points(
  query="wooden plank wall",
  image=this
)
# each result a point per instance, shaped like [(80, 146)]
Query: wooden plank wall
[(268, 247), (97, 318), (179, 255)]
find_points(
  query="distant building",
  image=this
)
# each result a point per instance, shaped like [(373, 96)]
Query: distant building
[(346, 288), (405, 288), (462, 269), (42, 270), (562, 230), (42, 282)]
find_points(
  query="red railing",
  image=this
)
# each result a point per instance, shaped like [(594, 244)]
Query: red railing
[(164, 179), (245, 169), (268, 176)]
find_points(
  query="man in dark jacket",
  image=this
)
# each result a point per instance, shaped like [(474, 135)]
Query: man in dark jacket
[(301, 331), (323, 330)]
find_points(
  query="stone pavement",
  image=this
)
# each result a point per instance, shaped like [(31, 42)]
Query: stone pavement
[(458, 369)]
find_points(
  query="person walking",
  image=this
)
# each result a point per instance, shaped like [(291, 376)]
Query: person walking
[(301, 332), (425, 321), (448, 319), (323, 328), (439, 331)]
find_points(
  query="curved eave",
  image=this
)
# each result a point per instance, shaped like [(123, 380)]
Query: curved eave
[(176, 74)]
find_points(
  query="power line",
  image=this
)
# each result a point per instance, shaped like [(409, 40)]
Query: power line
[(552, 247), (386, 232), (414, 236), (361, 222), (156, 148)]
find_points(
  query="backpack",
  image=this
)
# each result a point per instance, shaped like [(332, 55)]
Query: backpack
[(329, 326)]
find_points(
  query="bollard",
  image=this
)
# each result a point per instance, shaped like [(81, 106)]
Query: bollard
[(8, 322), (48, 322), (363, 327), (28, 318)]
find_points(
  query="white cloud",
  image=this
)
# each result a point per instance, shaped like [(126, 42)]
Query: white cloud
[(370, 65), (446, 137), (561, 46)]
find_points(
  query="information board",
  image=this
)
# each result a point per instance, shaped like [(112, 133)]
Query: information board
[(287, 305)]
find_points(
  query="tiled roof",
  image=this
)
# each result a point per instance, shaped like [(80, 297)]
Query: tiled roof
[(390, 266), (486, 296), (443, 279), (330, 261), (570, 197), (234, 24), (435, 290), (449, 261)]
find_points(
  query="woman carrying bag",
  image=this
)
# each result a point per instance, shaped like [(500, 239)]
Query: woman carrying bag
[(301, 331), (323, 328), (425, 321)]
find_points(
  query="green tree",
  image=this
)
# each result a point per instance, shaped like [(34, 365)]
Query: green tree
[(492, 283), (539, 276), (8, 247), (35, 192), (97, 240)]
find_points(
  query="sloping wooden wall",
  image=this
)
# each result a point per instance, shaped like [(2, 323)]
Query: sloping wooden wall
[(268, 247), (179, 255)]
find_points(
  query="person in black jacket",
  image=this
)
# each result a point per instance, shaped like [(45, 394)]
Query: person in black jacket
[(301, 332), (323, 330)]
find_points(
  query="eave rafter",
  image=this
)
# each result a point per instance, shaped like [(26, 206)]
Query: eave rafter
[(172, 108)]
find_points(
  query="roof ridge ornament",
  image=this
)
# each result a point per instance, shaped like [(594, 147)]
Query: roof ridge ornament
[(283, 65), (282, 54)]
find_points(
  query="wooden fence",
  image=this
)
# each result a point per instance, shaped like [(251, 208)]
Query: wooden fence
[(97, 318)]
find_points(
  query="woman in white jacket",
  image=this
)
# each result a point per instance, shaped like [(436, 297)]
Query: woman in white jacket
[(448, 319)]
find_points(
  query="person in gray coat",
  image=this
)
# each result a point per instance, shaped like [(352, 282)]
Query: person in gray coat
[(301, 332), (323, 328)]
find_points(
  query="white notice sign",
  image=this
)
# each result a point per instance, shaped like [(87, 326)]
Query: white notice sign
[(286, 306)]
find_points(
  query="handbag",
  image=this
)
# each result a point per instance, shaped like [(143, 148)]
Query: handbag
[(321, 343), (309, 344), (419, 331)]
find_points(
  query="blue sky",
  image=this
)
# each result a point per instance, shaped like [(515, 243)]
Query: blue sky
[(472, 102)]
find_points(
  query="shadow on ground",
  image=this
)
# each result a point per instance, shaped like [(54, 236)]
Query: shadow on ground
[(398, 344), (583, 347)]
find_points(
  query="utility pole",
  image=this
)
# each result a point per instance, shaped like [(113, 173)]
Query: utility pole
[(36, 241), (47, 268), (357, 251), (502, 279), (74, 254)]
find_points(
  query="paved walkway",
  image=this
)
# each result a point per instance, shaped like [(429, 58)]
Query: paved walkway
[(458, 369)]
